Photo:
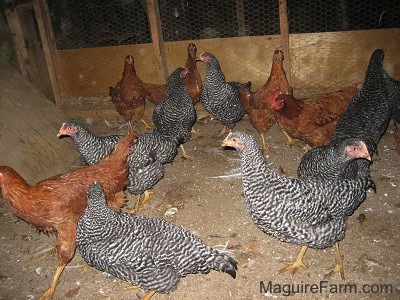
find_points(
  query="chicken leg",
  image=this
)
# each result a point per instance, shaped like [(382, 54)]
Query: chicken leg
[(338, 267), (223, 131), (146, 125), (50, 291), (265, 147), (298, 264), (184, 155), (149, 295), (139, 202)]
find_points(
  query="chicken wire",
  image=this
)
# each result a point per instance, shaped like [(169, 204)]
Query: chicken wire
[(96, 23)]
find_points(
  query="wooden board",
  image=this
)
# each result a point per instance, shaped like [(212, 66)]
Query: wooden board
[(29, 123), (319, 62)]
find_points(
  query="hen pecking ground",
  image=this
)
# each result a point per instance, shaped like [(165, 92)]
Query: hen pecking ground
[(204, 195)]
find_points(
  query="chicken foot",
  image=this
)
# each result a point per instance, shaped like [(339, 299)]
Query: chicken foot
[(184, 155), (298, 264), (223, 131), (139, 202), (338, 267), (50, 291), (146, 125), (265, 147)]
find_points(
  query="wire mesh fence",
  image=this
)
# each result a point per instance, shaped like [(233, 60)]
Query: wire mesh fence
[(96, 23)]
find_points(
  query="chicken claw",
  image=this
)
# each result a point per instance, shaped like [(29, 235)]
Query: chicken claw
[(338, 267), (139, 202), (298, 264)]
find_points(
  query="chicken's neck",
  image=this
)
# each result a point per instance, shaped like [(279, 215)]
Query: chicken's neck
[(214, 76), (260, 182)]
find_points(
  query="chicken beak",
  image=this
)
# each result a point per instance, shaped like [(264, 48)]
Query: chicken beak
[(368, 157), (59, 134)]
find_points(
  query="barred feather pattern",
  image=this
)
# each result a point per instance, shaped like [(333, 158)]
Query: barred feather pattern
[(393, 89), (220, 98), (148, 252), (176, 115), (368, 113), (92, 148), (305, 212), (328, 162)]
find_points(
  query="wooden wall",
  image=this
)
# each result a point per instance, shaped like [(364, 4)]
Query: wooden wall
[(29, 123), (319, 62)]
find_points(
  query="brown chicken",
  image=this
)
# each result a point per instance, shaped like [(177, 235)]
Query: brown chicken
[(129, 96), (54, 205), (311, 120), (156, 93), (258, 105)]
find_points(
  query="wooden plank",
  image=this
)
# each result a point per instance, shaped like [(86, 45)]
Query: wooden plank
[(157, 38), (49, 48), (19, 43), (283, 21), (319, 62), (29, 123)]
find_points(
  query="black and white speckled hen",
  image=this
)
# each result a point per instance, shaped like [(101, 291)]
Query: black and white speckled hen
[(145, 162), (92, 148), (310, 213), (175, 116), (218, 97), (331, 161), (148, 252), (368, 114)]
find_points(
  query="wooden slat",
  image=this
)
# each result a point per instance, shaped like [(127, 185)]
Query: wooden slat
[(283, 21), (157, 38), (19, 43), (49, 48)]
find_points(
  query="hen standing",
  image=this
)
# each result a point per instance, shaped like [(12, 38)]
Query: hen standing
[(310, 213), (258, 105), (311, 120), (176, 115), (218, 97), (129, 96), (54, 205), (150, 253), (156, 93)]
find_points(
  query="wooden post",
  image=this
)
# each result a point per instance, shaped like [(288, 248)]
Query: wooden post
[(19, 43), (50, 51), (157, 38), (283, 21)]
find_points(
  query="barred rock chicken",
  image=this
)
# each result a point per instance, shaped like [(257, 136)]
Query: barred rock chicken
[(218, 97), (311, 120), (128, 96), (91, 147), (54, 205), (368, 114), (156, 93), (145, 162), (176, 115), (331, 161), (258, 104), (148, 252), (310, 213)]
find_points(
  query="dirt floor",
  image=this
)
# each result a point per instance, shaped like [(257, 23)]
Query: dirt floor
[(204, 195)]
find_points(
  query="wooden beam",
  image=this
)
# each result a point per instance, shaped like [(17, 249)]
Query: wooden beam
[(283, 21), (19, 43), (153, 13), (50, 50)]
